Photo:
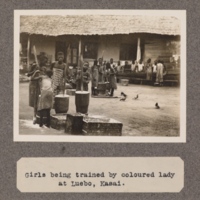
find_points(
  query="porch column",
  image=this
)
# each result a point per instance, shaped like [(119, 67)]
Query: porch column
[(28, 52), (68, 56), (80, 61), (138, 50)]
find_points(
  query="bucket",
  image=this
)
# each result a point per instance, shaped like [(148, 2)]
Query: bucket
[(82, 99), (61, 103), (124, 82)]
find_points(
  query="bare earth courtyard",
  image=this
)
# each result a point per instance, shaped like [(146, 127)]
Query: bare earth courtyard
[(139, 117)]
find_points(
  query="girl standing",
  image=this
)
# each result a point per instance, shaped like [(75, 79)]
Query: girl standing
[(46, 98)]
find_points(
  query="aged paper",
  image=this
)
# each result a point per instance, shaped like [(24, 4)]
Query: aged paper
[(139, 174), (161, 126)]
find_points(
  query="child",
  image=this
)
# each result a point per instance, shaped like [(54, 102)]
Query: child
[(86, 78), (46, 98)]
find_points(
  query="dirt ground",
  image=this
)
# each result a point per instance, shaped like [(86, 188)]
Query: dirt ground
[(139, 117)]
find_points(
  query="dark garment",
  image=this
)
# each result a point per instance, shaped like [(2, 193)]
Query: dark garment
[(112, 78), (111, 91), (94, 91), (86, 80), (34, 88), (78, 86), (126, 68), (149, 71), (159, 73), (43, 113), (95, 75), (34, 92), (101, 73)]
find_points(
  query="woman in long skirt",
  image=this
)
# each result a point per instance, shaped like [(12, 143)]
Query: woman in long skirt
[(34, 89), (149, 69)]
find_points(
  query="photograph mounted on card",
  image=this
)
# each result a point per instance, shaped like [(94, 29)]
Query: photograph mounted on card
[(100, 75)]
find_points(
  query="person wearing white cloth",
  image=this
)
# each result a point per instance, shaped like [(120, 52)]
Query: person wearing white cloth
[(140, 66)]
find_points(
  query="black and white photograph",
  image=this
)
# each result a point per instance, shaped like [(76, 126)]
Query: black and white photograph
[(100, 75)]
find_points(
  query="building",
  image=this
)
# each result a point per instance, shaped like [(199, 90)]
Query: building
[(129, 37)]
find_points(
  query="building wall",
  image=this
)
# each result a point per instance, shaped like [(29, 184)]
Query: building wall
[(110, 46), (157, 47), (154, 45), (43, 44)]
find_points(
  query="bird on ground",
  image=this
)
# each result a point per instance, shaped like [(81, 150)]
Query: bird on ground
[(136, 97), (157, 106), (123, 96)]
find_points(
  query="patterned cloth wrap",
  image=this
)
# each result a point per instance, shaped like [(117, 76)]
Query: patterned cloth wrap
[(57, 78)]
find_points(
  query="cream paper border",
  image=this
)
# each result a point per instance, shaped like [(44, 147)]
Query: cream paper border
[(180, 14), (118, 165)]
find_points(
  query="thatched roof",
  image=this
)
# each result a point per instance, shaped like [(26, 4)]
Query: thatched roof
[(55, 25)]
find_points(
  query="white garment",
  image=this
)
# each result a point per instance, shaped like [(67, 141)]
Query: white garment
[(154, 68), (46, 84), (133, 66), (140, 67)]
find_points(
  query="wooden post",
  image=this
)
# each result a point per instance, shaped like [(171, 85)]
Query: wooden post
[(138, 50), (28, 52), (35, 54), (80, 61)]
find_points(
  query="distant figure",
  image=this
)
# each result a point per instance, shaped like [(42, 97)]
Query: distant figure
[(149, 69), (112, 76), (134, 66), (104, 68), (140, 66), (86, 78), (101, 71), (126, 67), (123, 96), (159, 73), (154, 66), (119, 68), (95, 77)]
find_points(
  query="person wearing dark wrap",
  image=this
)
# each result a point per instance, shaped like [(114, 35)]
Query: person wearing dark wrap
[(95, 77), (112, 76), (34, 89), (85, 79)]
